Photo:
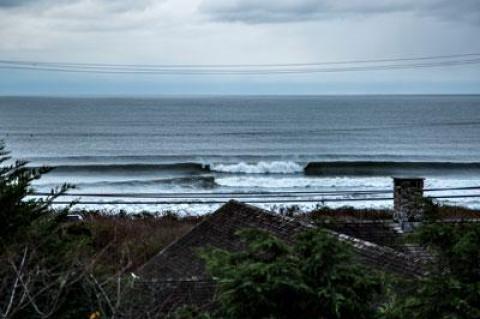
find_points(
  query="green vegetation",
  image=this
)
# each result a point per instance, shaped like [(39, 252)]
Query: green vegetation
[(52, 268), (17, 214), (316, 277), (452, 289)]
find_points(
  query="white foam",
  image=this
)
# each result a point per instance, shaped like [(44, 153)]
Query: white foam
[(295, 182), (276, 167)]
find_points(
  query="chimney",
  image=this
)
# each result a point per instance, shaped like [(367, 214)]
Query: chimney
[(408, 201)]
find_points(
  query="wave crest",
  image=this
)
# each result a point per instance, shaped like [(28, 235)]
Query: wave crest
[(276, 167)]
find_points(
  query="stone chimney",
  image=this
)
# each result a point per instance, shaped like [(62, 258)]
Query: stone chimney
[(408, 201)]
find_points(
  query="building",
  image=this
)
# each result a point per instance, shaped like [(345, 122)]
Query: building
[(177, 276)]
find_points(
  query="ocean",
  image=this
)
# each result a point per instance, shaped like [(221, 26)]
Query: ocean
[(245, 144)]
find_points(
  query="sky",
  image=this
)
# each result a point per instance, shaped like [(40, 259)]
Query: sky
[(237, 32)]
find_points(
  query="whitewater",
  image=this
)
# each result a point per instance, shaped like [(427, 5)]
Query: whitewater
[(245, 145)]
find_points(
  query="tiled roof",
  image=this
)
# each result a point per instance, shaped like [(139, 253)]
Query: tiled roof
[(180, 261), (176, 276), (160, 298), (380, 232)]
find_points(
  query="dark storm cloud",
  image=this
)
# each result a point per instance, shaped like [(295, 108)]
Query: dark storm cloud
[(278, 11)]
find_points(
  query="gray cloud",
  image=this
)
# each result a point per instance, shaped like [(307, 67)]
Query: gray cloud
[(278, 11), (14, 3), (115, 5)]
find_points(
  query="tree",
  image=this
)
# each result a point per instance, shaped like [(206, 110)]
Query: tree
[(316, 277), (452, 288), (18, 213), (49, 267), (40, 266)]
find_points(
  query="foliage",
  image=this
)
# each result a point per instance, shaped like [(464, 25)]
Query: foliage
[(316, 277), (18, 213), (189, 312), (40, 255), (51, 268), (452, 289)]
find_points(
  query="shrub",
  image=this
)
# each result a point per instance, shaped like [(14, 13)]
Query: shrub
[(316, 277), (452, 288)]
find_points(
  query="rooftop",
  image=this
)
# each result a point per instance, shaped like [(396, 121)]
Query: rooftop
[(178, 273)]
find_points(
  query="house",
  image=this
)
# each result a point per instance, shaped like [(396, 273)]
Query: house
[(177, 276)]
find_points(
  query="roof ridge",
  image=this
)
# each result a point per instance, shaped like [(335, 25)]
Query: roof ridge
[(204, 221), (384, 257)]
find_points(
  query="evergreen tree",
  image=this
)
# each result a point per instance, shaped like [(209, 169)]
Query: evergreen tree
[(18, 212), (316, 277), (452, 287)]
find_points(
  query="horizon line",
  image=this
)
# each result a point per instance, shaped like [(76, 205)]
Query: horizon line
[(148, 95)]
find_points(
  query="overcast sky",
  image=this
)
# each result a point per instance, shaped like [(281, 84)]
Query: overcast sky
[(237, 32)]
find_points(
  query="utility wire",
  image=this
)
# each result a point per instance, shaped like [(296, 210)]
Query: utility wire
[(358, 61), (215, 195), (255, 201), (273, 71), (249, 71), (248, 195)]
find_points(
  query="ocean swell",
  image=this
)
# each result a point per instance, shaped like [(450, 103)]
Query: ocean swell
[(276, 167), (200, 182), (129, 167), (367, 168)]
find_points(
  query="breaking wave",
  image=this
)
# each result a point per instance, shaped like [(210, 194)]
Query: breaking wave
[(276, 167), (332, 168)]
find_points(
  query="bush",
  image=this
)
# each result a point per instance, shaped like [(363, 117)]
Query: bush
[(452, 288), (316, 277), (40, 256), (50, 268)]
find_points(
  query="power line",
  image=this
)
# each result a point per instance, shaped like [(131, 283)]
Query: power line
[(357, 61), (451, 189), (217, 195), (196, 202), (250, 71), (248, 195), (213, 71), (261, 201)]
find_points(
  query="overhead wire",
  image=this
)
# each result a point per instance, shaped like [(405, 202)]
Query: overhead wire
[(253, 69), (359, 61), (250, 194), (258, 197), (254, 201)]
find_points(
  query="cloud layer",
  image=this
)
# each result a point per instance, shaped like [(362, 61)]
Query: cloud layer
[(278, 11), (41, 6), (238, 32)]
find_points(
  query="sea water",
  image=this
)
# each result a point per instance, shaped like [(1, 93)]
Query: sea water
[(245, 144)]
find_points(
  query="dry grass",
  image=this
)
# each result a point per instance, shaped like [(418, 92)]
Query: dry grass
[(127, 242), (458, 212), (385, 214)]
